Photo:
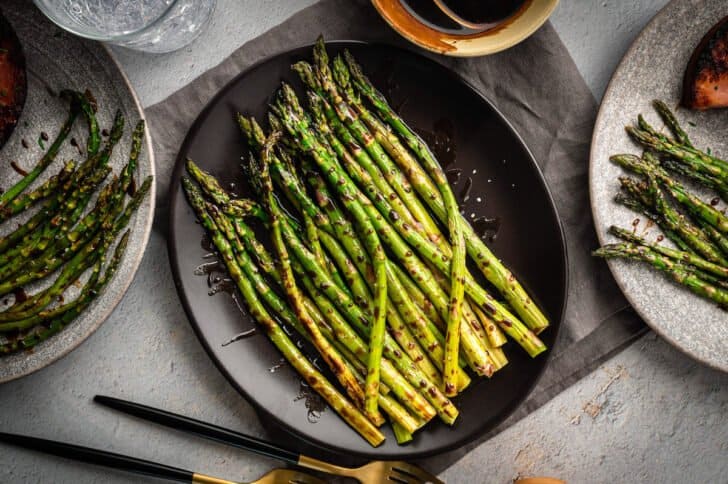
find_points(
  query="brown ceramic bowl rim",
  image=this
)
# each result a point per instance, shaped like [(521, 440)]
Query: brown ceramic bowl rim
[(529, 18)]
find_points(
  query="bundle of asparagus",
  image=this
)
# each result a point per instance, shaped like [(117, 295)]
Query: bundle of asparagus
[(63, 238), (698, 229), (361, 267)]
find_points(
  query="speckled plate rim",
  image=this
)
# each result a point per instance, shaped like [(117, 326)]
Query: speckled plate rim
[(129, 262), (596, 214), (489, 42)]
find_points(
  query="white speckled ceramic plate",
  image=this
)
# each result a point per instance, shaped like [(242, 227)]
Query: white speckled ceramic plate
[(653, 69), (57, 60)]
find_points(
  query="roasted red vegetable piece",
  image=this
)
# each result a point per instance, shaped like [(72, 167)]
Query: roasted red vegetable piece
[(13, 83), (705, 85)]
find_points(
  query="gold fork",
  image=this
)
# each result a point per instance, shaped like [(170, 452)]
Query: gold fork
[(375, 472), (145, 467)]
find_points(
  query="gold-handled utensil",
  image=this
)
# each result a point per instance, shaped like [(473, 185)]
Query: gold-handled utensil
[(375, 472), (144, 467)]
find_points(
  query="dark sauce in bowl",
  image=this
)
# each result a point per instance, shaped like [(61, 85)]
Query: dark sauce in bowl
[(487, 13)]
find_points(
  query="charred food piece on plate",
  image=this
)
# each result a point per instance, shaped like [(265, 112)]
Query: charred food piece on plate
[(705, 85), (13, 83)]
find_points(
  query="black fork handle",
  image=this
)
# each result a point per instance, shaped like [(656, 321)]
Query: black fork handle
[(199, 428), (98, 457)]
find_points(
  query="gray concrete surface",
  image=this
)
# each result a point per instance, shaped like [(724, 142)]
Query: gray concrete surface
[(648, 415)]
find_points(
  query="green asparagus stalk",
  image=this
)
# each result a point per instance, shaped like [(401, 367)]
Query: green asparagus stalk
[(404, 389), (92, 165), (60, 317), (349, 128), (49, 187), (521, 334), (675, 270), (633, 196), (719, 240), (46, 267), (457, 239), (374, 247), (696, 159), (651, 195), (671, 122), (700, 209), (390, 406), (492, 268), (36, 242), (332, 358), (701, 178), (676, 255), (278, 337), (50, 155), (359, 320)]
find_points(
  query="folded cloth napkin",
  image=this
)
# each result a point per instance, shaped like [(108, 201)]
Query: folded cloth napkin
[(540, 91)]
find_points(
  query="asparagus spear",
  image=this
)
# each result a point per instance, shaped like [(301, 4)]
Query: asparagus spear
[(648, 166), (391, 407), (701, 178), (651, 195), (675, 270), (719, 240), (60, 317), (50, 155), (408, 309), (491, 267), (696, 159), (359, 320), (325, 115), (44, 268), (332, 358), (457, 239), (50, 208), (391, 350), (509, 323), (349, 128), (671, 122), (15, 258), (48, 188), (676, 255), (294, 124), (278, 337)]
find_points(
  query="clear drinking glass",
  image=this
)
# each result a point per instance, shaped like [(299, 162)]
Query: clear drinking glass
[(148, 25)]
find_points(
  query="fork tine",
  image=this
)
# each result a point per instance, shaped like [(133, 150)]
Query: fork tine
[(288, 476), (417, 473), (301, 478)]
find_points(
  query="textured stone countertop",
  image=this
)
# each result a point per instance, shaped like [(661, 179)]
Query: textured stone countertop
[(649, 414)]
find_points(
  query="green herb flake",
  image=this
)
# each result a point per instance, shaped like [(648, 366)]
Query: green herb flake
[(40, 142), (692, 124)]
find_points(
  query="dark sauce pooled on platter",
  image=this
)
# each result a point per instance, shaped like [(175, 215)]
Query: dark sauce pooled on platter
[(315, 404), (441, 141), (486, 228), (465, 191), (453, 175)]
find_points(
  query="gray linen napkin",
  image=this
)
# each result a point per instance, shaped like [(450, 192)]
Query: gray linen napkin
[(539, 89)]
